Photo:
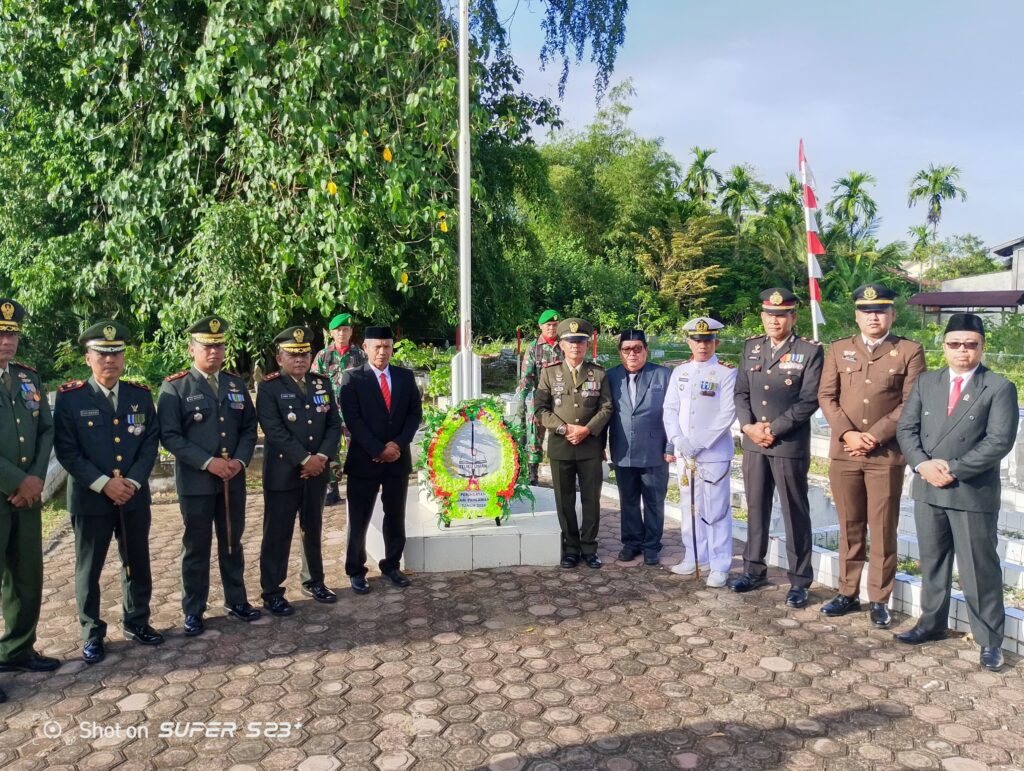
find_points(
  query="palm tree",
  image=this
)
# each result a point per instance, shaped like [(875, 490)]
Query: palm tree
[(701, 180), (853, 206), (739, 193), (935, 185)]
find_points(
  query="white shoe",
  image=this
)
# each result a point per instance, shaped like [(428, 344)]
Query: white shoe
[(717, 579), (687, 569)]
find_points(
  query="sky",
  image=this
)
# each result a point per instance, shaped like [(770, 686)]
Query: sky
[(883, 86)]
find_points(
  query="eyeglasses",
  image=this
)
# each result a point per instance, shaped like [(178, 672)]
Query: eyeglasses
[(631, 349), (955, 345)]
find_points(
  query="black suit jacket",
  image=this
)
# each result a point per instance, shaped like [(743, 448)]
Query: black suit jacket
[(296, 426), (92, 440), (196, 426), (372, 425)]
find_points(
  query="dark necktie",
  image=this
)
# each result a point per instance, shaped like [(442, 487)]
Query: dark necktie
[(6, 378), (632, 386), (214, 386)]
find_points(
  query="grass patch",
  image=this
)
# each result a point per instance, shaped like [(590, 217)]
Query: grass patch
[(909, 566), (819, 467), (739, 514), (55, 513)]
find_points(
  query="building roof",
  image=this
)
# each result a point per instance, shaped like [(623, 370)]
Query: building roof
[(1007, 249), (992, 299)]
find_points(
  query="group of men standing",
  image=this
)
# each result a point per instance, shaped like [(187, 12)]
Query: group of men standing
[(953, 426), (106, 432)]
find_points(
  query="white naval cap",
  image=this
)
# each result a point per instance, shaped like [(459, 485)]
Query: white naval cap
[(703, 328)]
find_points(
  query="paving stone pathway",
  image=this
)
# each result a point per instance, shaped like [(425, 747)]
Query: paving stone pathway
[(628, 667)]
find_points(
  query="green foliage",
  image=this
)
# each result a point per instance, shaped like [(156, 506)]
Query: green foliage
[(959, 256), (934, 186)]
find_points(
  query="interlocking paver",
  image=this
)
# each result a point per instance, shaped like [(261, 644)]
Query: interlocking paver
[(625, 668)]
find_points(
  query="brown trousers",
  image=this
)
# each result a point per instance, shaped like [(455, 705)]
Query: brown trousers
[(867, 499)]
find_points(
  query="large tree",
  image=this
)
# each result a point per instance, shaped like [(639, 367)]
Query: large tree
[(934, 186), (852, 206)]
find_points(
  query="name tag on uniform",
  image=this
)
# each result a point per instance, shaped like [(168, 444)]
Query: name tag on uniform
[(287, 395), (88, 413), (195, 398)]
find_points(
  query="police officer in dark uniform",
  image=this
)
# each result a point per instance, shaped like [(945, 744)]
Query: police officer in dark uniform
[(107, 437), (574, 403), (776, 395), (299, 416), (26, 438), (208, 422)]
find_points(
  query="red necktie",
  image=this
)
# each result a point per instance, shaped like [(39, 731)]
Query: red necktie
[(954, 395), (385, 390)]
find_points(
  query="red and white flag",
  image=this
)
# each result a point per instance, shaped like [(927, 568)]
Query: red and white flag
[(814, 245)]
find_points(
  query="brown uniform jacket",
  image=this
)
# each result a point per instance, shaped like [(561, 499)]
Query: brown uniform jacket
[(866, 392)]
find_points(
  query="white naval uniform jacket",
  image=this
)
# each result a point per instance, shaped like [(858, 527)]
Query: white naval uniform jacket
[(699, 410)]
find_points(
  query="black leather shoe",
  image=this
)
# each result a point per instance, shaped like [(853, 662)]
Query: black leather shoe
[(652, 561), (3, 695), (243, 611), (592, 560), (534, 474), (796, 597), (570, 561), (917, 636), (34, 663), (93, 652), (279, 606), (991, 658), (746, 583), (359, 585), (333, 496), (194, 625), (396, 577), (880, 615), (840, 605), (626, 554), (320, 593), (143, 635)]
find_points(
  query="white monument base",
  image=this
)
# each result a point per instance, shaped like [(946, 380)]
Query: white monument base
[(525, 538)]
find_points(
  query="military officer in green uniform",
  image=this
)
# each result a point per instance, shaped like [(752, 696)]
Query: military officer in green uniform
[(333, 361), (208, 423), (539, 354), (26, 438), (107, 437), (299, 414), (574, 403)]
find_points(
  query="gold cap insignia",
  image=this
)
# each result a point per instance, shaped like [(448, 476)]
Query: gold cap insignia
[(298, 334), (870, 293), (775, 299), (574, 327), (702, 327), (215, 325), (8, 310), (109, 332)]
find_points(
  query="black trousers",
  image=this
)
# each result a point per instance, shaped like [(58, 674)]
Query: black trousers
[(762, 474), (972, 536), (204, 514), (642, 531), (279, 511), (92, 540), (577, 539), (362, 496)]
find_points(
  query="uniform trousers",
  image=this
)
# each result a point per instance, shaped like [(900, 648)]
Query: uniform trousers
[(578, 539), (711, 500), (21, 568), (762, 475), (867, 500), (92, 540), (280, 508), (204, 514)]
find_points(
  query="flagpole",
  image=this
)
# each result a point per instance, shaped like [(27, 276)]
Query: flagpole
[(810, 255), (465, 232)]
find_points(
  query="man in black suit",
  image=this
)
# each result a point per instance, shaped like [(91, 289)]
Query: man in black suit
[(957, 426), (381, 407), (107, 436), (300, 420), (208, 423)]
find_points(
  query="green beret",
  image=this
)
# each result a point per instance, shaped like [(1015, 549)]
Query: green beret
[(105, 336), (341, 320), (548, 315)]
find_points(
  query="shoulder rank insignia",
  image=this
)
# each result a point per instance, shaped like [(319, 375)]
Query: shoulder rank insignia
[(71, 385), (755, 337), (271, 376), (143, 386), (812, 342), (726, 364), (547, 364), (176, 376), (24, 366)]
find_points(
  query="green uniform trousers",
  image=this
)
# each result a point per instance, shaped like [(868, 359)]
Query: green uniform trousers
[(21, 568)]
